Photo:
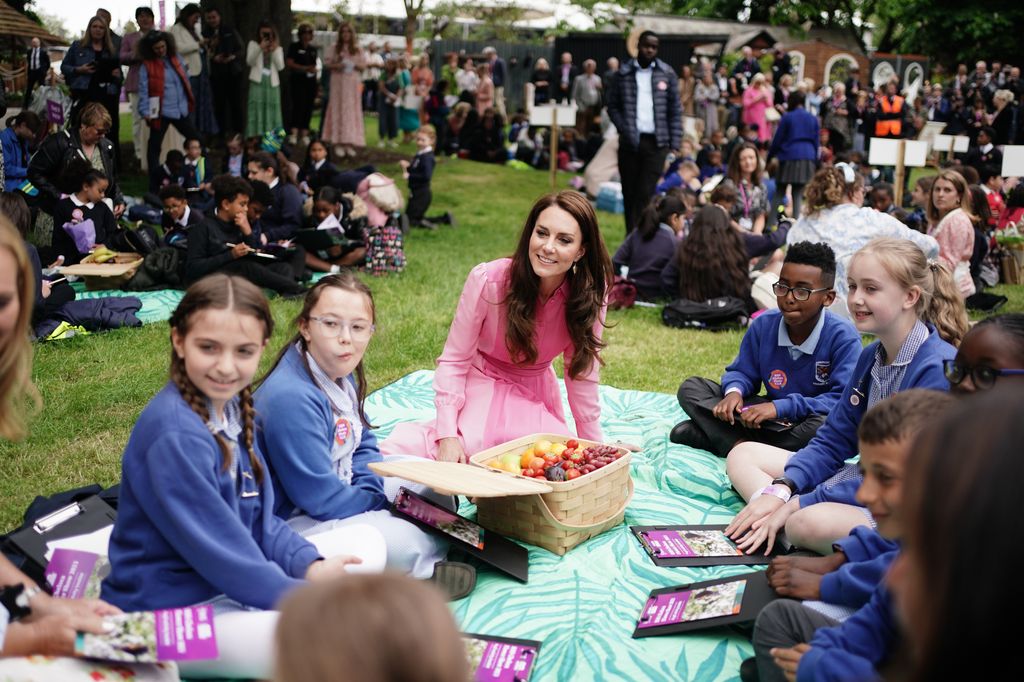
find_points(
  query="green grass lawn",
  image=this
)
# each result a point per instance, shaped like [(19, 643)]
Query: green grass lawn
[(94, 387)]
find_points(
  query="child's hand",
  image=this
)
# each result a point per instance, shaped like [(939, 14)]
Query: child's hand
[(753, 516), (793, 582), (242, 222), (753, 415), (240, 249), (728, 407), (788, 660), (403, 163), (329, 569), (766, 531)]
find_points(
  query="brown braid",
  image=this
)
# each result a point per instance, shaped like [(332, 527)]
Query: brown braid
[(195, 399), (248, 431)]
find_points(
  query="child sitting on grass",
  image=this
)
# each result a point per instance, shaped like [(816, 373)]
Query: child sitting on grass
[(853, 650), (419, 172), (85, 203), (178, 217), (803, 354), (197, 177), (225, 241)]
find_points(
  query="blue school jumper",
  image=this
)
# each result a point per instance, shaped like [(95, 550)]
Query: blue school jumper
[(854, 649), (187, 530), (836, 440), (296, 429), (810, 384), (868, 557)]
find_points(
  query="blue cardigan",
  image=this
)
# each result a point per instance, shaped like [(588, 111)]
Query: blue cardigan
[(184, 533), (296, 427), (811, 384), (797, 137), (15, 158), (853, 649), (836, 440)]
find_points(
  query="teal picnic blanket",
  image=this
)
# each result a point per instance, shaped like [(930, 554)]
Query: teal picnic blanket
[(583, 606), (157, 306)]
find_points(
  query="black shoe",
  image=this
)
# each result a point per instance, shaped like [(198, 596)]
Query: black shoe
[(748, 671), (454, 578), (688, 433), (426, 225), (450, 219)]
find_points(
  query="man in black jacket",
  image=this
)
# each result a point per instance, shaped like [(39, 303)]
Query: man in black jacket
[(37, 61), (226, 78), (644, 106)]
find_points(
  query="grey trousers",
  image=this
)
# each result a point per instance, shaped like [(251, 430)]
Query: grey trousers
[(784, 623)]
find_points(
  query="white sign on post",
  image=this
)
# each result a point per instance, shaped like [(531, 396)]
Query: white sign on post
[(884, 152), (960, 143), (540, 116), (1013, 161)]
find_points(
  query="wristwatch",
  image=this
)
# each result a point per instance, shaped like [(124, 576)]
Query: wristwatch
[(788, 482), (17, 599)]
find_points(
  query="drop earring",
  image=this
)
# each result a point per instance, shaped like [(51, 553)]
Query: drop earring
[(574, 267)]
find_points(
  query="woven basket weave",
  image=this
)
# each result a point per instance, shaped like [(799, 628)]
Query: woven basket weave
[(573, 512)]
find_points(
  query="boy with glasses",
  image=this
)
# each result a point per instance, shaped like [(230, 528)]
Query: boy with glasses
[(803, 354)]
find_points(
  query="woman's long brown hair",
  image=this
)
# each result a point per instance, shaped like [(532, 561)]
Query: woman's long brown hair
[(712, 258), (588, 286), (221, 292), (18, 395)]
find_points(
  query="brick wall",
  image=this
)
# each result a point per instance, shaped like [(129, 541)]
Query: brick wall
[(816, 56)]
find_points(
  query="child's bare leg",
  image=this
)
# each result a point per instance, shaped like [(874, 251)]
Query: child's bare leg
[(818, 526), (751, 466)]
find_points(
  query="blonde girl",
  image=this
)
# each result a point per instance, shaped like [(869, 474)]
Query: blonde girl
[(913, 309), (195, 522), (18, 396)]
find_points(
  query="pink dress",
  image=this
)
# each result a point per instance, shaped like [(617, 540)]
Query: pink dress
[(484, 398), (343, 122), (484, 95), (755, 101), (955, 235)]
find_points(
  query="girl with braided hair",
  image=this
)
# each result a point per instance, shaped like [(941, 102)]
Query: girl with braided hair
[(196, 519), (836, 215)]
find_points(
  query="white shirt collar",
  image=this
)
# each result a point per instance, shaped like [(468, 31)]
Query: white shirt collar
[(424, 150), (183, 221), (318, 164), (273, 184), (78, 202), (987, 148)]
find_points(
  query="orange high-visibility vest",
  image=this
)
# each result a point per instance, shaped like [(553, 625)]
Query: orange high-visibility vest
[(891, 124)]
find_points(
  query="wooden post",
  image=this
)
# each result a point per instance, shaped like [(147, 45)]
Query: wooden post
[(952, 142), (554, 147), (900, 172)]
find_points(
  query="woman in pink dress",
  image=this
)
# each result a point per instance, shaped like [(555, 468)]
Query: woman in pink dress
[(494, 379), (756, 99), (951, 220), (485, 90), (343, 121)]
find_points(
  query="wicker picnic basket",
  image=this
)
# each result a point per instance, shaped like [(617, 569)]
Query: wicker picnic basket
[(573, 512), (112, 274)]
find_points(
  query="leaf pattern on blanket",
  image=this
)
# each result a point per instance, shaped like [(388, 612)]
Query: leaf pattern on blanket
[(584, 606)]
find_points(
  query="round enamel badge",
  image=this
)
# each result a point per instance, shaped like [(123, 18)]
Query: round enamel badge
[(342, 431), (777, 379)]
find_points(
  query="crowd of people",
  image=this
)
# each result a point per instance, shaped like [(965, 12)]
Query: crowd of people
[(230, 475)]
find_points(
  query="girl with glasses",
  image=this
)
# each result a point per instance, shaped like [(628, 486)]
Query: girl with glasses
[(315, 434), (991, 353)]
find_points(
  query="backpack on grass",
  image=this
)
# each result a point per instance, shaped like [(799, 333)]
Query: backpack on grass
[(714, 314)]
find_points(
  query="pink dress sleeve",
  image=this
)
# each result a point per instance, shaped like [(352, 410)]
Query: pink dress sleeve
[(956, 240), (459, 351), (583, 392)]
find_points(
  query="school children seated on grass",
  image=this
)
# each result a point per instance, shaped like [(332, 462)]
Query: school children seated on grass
[(649, 248), (82, 220), (177, 217), (283, 217), (914, 309), (225, 241), (802, 354), (793, 638)]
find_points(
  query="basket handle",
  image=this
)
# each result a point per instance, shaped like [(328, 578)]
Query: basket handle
[(546, 511)]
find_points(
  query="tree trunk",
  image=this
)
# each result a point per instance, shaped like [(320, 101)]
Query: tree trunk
[(412, 16)]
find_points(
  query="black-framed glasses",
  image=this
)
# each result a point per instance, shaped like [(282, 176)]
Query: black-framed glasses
[(799, 293), (984, 377)]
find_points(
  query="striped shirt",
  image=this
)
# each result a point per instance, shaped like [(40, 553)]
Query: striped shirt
[(886, 379)]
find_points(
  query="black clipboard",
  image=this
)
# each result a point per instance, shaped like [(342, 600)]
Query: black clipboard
[(756, 595), (756, 559), (773, 425), (77, 518), (530, 643), (322, 240), (498, 551)]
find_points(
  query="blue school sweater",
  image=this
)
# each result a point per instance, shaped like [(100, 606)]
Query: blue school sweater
[(811, 384), (852, 650), (296, 429), (868, 557), (836, 440), (184, 532)]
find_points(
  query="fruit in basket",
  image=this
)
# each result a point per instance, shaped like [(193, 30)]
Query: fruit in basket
[(526, 458), (572, 443), (537, 463), (542, 447), (510, 463), (558, 448), (551, 458), (555, 473), (572, 473)]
